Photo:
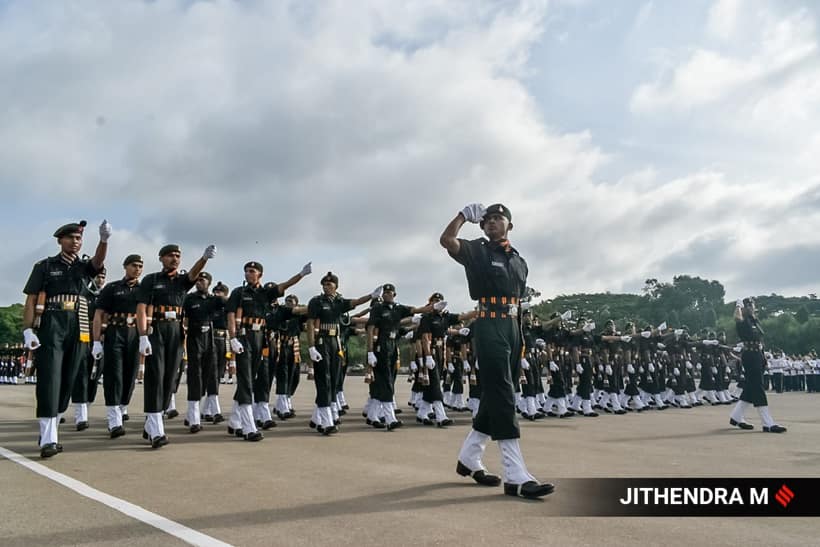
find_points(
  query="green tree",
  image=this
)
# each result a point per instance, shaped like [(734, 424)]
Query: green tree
[(802, 315)]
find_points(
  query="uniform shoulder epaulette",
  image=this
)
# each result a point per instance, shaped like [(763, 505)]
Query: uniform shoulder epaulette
[(182, 272)]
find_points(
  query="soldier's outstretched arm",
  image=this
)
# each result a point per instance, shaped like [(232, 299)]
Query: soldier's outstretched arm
[(449, 238), (305, 271)]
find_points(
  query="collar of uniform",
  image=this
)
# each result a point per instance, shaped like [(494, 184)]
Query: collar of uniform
[(66, 259), (170, 273), (133, 283), (502, 245)]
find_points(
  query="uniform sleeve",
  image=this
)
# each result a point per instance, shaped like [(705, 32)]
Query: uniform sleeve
[(145, 288), (374, 314), (186, 303), (313, 308), (91, 270), (273, 291), (424, 325), (186, 283), (452, 319), (405, 311), (347, 305), (466, 252), (36, 281), (234, 300), (216, 304), (104, 298)]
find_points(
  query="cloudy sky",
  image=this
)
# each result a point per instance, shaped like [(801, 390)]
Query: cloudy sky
[(631, 139)]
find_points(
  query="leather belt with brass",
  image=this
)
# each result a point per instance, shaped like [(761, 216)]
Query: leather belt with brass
[(255, 323), (497, 307), (221, 333), (63, 302), (167, 313), (123, 320)]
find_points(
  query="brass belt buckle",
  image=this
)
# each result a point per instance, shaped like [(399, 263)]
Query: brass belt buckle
[(513, 310), (68, 306), (129, 320), (331, 332), (256, 326), (439, 343), (392, 335), (205, 328)]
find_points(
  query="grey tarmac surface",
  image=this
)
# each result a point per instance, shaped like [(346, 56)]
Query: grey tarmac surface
[(367, 486)]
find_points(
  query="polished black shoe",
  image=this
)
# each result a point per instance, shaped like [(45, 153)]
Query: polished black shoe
[(342, 412), (774, 429), (185, 422), (232, 431), (741, 425), (208, 418), (591, 414), (620, 412), (394, 425), (171, 414), (364, 414), (218, 418), (118, 431), (337, 421), (145, 435), (552, 414), (82, 426), (529, 490), (258, 423), (481, 477), (49, 450), (565, 415), (398, 411), (255, 436), (312, 424), (62, 420), (345, 407), (125, 417), (159, 442), (444, 423), (268, 424), (196, 428), (330, 430), (427, 421), (377, 425)]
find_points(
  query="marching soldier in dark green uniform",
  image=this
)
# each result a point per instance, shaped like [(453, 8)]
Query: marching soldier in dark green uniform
[(159, 305), (751, 333), (117, 310), (219, 320), (85, 385), (496, 276), (247, 308), (54, 297)]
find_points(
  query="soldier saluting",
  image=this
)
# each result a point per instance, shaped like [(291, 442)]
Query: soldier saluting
[(497, 277), (159, 305), (54, 297)]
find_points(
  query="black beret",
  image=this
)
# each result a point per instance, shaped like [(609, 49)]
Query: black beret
[(330, 276), (220, 287), (436, 296), (255, 265), (70, 228), (389, 287), (130, 259), (500, 209), (206, 275), (170, 248)]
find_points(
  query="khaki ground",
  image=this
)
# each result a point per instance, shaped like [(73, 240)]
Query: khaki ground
[(366, 487)]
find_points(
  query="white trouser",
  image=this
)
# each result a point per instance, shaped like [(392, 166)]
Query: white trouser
[(586, 406), (213, 405), (153, 424), (248, 425), (739, 412), (48, 430), (438, 408), (80, 412), (562, 406), (262, 411), (282, 404), (615, 402), (514, 471), (389, 412), (173, 403), (458, 401), (193, 413), (340, 398), (114, 416), (765, 416), (373, 410), (235, 421), (472, 404), (473, 449), (424, 410), (324, 415)]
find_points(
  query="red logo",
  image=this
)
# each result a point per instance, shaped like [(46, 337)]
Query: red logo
[(784, 496)]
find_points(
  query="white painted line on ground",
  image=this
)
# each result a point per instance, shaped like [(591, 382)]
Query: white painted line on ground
[(175, 529)]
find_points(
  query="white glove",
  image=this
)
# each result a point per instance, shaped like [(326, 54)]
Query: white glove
[(698, 366), (739, 303), (315, 356), (678, 332), (588, 327), (646, 334), (714, 370), (640, 369), (209, 252), (466, 366), (145, 345), (474, 212), (540, 343), (525, 305), (409, 335), (600, 368), (728, 370), (377, 292), (450, 368), (429, 363), (30, 339), (626, 338), (371, 359), (464, 332), (567, 315), (662, 326), (417, 319), (105, 231), (476, 364), (661, 346), (553, 366), (650, 367), (689, 365), (525, 365), (676, 371), (413, 366), (96, 350), (306, 269), (579, 368), (630, 369), (236, 346), (739, 348), (608, 370), (439, 306)]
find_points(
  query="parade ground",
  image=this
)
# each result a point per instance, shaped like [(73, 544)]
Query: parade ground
[(368, 487)]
